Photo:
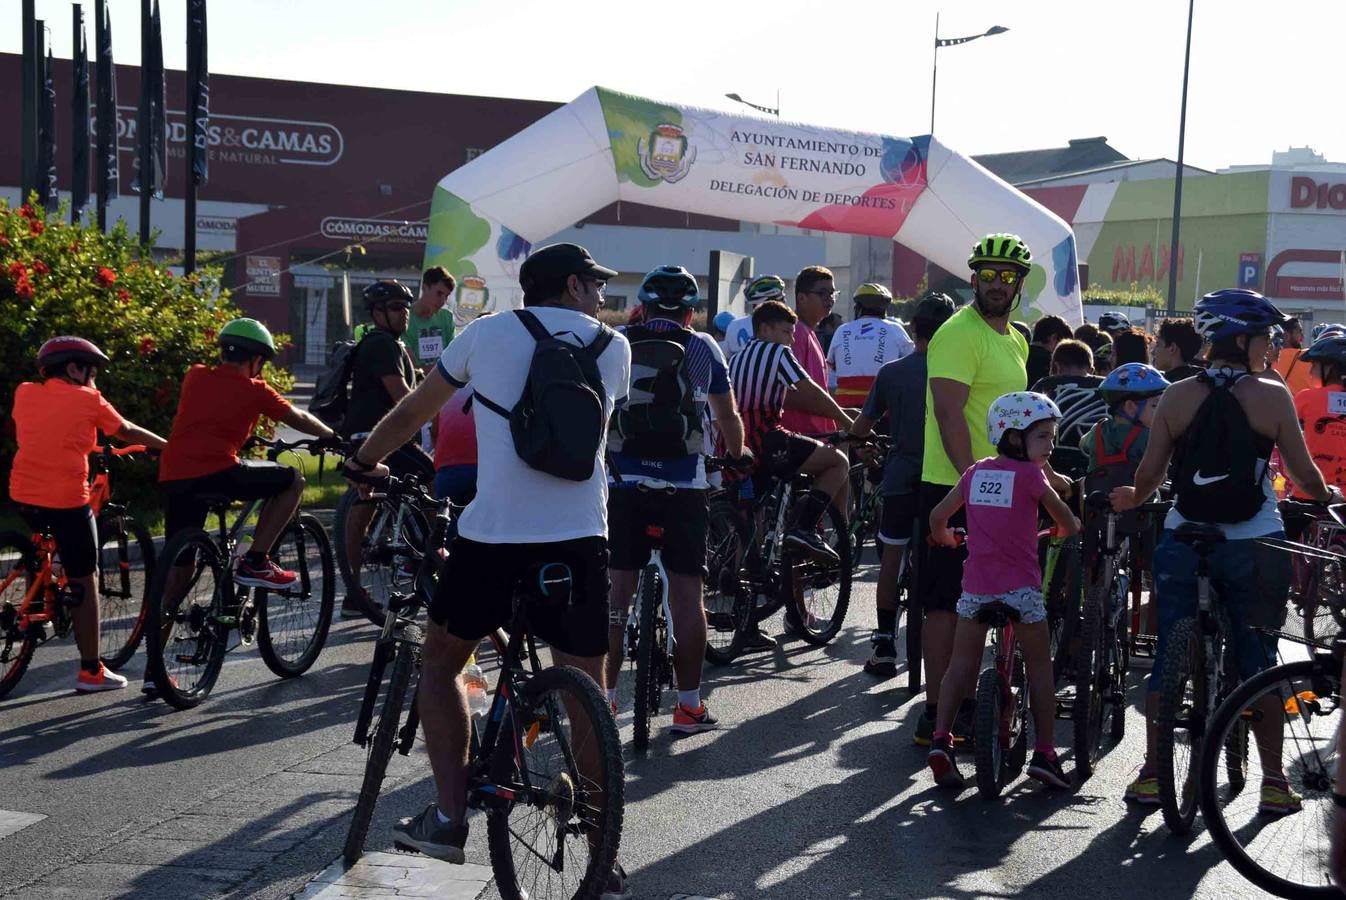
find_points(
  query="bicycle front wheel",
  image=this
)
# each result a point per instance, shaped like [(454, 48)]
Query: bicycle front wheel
[(188, 623), (1181, 726), (558, 837), (18, 568), (729, 608), (382, 741), (292, 623), (820, 591), (1294, 714), (989, 749), (125, 566), (1093, 690), (648, 688)]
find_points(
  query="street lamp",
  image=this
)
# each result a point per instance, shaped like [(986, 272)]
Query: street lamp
[(766, 109), (1177, 177), (951, 42)]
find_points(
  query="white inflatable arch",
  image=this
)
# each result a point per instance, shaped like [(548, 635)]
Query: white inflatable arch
[(606, 146)]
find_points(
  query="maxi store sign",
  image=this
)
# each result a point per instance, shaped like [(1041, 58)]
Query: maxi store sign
[(248, 140)]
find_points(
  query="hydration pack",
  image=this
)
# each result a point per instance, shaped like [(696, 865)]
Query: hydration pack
[(660, 419)]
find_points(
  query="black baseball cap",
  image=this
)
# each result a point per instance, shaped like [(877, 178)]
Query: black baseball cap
[(547, 268)]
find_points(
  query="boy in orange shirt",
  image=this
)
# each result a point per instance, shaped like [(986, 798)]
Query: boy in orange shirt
[(57, 421), (1322, 410)]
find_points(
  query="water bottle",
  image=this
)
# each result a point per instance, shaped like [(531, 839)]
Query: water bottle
[(474, 683)]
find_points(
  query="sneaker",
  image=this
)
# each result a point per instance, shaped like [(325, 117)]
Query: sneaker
[(883, 658), (102, 680), (266, 575), (693, 721), (1045, 767), (940, 759), (1278, 798), (426, 834), (152, 689), (1144, 790), (964, 723), (619, 886), (813, 543), (755, 640), (925, 731)]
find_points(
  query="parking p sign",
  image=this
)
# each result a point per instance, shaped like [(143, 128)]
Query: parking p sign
[(1250, 271)]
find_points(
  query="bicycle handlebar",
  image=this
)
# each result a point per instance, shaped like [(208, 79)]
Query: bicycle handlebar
[(728, 464), (129, 450)]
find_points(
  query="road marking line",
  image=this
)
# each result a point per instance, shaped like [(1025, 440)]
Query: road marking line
[(690, 897), (11, 821), (380, 875)]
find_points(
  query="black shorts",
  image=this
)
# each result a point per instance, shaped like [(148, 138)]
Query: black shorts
[(899, 515), (941, 568), (781, 453), (683, 515), (477, 587), (250, 480), (74, 531)]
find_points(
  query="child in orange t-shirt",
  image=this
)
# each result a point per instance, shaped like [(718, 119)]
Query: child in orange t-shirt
[(1322, 410), (57, 421)]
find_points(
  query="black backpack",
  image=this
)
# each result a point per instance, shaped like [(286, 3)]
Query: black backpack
[(558, 423), (331, 392), (1217, 478), (660, 419)]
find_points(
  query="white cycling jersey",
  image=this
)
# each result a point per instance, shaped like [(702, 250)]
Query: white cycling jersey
[(858, 350)]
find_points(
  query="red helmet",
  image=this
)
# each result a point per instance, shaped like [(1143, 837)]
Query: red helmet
[(61, 350)]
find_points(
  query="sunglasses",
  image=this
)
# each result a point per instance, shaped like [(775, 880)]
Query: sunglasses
[(396, 307), (1008, 276)]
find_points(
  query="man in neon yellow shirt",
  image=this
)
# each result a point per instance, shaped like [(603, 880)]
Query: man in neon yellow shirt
[(974, 358)]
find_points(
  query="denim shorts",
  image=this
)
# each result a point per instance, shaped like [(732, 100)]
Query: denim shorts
[(1251, 583), (1027, 600)]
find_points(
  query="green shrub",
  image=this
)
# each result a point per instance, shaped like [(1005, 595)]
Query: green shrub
[(58, 279), (1135, 295)]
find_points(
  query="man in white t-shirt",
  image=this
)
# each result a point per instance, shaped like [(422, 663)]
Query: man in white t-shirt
[(520, 519), (760, 290), (861, 347)]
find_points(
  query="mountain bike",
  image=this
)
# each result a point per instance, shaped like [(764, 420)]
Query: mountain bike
[(35, 602), (394, 540), (195, 604), (754, 572), (867, 502), (1001, 730), (544, 763), (1294, 714)]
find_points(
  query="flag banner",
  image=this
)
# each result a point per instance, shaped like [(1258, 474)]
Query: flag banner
[(79, 119), (46, 159), (152, 110), (106, 109), (198, 88)]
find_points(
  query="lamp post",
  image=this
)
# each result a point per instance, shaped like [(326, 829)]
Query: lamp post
[(766, 109), (951, 42), (1177, 178)]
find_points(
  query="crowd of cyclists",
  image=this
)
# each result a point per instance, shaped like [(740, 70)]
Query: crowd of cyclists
[(566, 441)]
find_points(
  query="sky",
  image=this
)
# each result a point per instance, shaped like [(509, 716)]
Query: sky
[(1264, 76)]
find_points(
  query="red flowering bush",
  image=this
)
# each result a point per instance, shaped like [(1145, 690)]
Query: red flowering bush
[(57, 279)]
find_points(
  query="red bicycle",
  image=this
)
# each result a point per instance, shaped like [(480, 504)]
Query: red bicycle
[(35, 604)]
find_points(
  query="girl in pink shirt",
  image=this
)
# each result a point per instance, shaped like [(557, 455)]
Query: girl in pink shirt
[(1002, 495)]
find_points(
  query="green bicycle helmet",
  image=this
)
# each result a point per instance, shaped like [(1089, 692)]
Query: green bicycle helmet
[(1000, 248), (250, 336), (765, 287)]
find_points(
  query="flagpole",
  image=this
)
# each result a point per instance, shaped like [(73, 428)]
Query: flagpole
[(144, 126)]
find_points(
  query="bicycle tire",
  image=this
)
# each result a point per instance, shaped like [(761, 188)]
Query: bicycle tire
[(1016, 757), (1090, 672), (1179, 792), (1062, 597), (915, 617), (1227, 719), (123, 586), (647, 678), (598, 833), (729, 609), (1118, 636), (291, 651), (988, 754), (202, 628), (17, 569), (819, 630), (382, 743), (377, 564), (353, 592)]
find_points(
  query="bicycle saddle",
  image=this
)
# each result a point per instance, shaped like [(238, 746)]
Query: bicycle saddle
[(1198, 533), (997, 615)]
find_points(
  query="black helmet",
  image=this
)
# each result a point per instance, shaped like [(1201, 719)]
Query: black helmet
[(1329, 348), (670, 288), (934, 307), (386, 291)]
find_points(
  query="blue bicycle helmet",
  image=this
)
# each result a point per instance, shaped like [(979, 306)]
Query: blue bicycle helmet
[(1331, 347), (671, 288), (1235, 311), (1321, 327), (723, 320), (1132, 381)]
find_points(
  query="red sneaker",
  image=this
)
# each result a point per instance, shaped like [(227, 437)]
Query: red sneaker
[(692, 721), (103, 680), (267, 575)]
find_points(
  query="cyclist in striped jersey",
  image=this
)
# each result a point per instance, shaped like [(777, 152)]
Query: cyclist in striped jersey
[(766, 378)]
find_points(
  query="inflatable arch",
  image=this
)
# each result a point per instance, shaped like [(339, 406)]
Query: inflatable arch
[(607, 146)]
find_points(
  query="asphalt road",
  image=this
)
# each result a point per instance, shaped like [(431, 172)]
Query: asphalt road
[(811, 789)]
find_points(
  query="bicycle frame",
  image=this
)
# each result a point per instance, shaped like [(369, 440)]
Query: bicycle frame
[(1006, 647), (656, 535), (44, 590)]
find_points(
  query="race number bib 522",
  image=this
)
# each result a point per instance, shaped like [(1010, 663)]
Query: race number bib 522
[(991, 487)]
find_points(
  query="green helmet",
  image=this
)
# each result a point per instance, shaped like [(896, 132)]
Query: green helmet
[(250, 336), (1000, 248), (766, 287)]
